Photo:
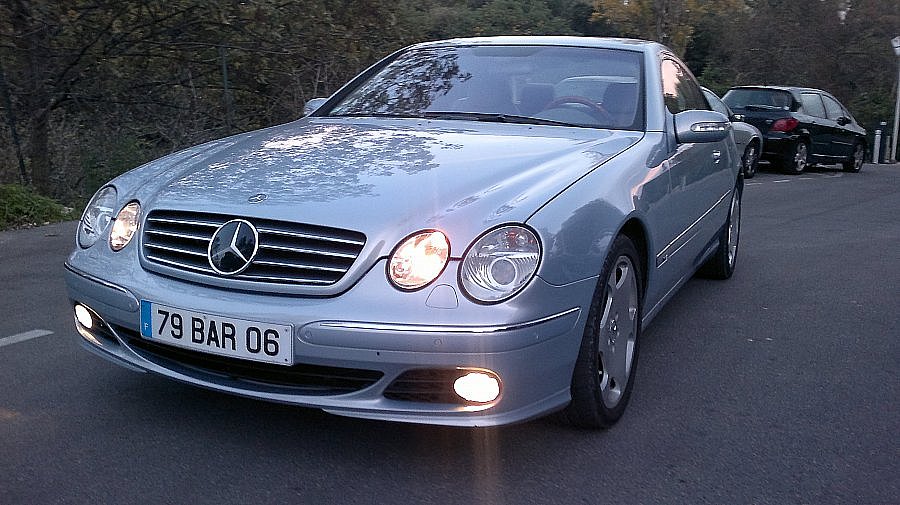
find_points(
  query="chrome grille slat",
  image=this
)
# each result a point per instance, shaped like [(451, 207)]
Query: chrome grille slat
[(314, 237), (176, 250), (301, 266), (185, 222), (180, 235), (280, 279), (289, 253), (307, 251), (180, 265)]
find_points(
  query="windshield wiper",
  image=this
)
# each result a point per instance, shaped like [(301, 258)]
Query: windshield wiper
[(375, 114), (492, 117)]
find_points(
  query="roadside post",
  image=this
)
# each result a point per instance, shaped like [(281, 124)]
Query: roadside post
[(876, 151), (895, 42)]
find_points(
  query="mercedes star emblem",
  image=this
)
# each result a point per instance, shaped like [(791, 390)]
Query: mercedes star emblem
[(233, 247)]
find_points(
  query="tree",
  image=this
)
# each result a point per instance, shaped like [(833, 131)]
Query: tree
[(669, 22)]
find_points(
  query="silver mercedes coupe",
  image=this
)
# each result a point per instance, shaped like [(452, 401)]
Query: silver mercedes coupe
[(471, 232)]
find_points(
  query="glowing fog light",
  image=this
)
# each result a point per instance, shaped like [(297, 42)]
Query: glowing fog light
[(83, 316), (124, 226), (419, 259), (477, 387)]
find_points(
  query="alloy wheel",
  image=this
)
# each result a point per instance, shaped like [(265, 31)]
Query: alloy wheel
[(800, 156), (858, 155), (750, 157), (618, 331), (734, 228)]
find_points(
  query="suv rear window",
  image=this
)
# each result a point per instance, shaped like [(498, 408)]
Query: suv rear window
[(743, 98)]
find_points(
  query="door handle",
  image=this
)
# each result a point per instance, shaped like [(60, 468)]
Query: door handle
[(717, 155)]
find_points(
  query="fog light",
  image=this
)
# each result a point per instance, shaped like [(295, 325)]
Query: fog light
[(83, 316), (478, 387)]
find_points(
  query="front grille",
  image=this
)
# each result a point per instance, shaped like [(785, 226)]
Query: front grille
[(426, 385), (289, 253), (305, 379)]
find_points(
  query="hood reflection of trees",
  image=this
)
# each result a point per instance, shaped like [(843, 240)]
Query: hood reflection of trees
[(322, 162)]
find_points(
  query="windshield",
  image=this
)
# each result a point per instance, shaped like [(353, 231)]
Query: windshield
[(559, 85), (743, 98)]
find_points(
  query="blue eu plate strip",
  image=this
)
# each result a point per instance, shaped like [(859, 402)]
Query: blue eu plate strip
[(146, 325)]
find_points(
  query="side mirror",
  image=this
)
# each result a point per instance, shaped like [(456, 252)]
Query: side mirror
[(312, 105), (698, 126), (738, 117), (843, 120)]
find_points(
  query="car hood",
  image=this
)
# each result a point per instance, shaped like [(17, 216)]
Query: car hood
[(383, 177)]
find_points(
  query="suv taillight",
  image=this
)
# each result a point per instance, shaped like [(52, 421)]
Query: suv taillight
[(784, 125)]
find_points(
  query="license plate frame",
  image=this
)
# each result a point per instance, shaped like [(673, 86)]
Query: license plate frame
[(227, 336)]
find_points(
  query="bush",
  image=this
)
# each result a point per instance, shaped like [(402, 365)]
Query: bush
[(22, 207)]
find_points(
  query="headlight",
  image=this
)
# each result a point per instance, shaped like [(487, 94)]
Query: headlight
[(97, 215), (124, 226), (418, 260), (500, 263)]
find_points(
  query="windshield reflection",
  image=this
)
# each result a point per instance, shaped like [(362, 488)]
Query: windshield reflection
[(566, 85)]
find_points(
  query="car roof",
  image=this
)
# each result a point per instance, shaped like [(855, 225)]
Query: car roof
[(791, 89), (553, 40)]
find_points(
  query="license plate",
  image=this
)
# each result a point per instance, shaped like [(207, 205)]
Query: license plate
[(225, 336)]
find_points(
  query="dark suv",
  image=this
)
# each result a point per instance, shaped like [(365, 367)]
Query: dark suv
[(801, 126)]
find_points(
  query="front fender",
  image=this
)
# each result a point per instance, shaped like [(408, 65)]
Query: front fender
[(578, 226)]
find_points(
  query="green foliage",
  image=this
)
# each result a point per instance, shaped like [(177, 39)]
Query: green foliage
[(670, 22), (716, 79), (22, 207), (519, 17), (99, 86), (108, 157)]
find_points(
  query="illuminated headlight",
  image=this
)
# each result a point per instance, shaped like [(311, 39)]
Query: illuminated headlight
[(97, 216), (419, 259), (124, 226), (500, 263)]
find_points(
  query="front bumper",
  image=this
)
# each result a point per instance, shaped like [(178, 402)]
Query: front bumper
[(373, 334)]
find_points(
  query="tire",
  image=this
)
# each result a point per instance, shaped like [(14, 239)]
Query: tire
[(604, 371), (721, 264), (855, 162), (798, 161), (750, 159)]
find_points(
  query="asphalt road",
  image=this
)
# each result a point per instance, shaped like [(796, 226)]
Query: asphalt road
[(779, 386)]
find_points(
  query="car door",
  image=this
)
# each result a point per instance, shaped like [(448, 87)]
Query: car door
[(841, 137), (821, 129), (693, 210)]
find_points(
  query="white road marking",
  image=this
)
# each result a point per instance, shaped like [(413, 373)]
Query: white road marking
[(782, 180), (21, 337)]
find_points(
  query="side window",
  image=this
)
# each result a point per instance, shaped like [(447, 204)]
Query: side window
[(812, 104), (717, 105), (680, 91), (833, 108)]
